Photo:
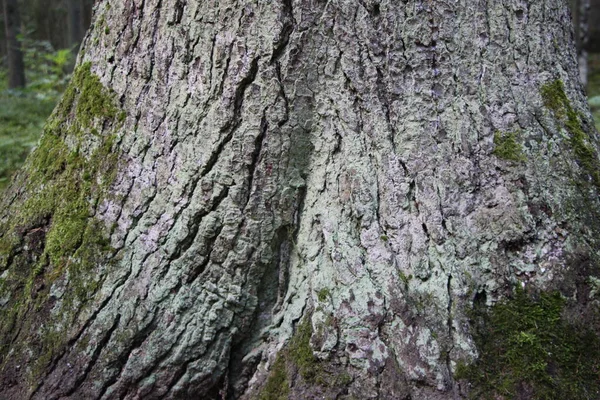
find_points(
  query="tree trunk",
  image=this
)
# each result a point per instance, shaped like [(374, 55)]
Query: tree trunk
[(12, 26), (594, 27), (76, 31), (580, 10), (308, 199)]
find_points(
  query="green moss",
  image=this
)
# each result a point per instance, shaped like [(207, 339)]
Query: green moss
[(508, 147), (404, 278), (555, 99), (64, 178), (526, 345), (301, 353), (323, 294), (94, 100), (277, 386), (298, 356)]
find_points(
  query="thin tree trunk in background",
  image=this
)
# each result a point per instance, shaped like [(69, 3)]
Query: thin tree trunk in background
[(2, 36), (12, 24), (302, 199), (594, 27), (580, 11), (75, 22), (87, 5)]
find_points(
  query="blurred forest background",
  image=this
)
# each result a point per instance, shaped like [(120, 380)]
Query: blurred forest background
[(39, 40)]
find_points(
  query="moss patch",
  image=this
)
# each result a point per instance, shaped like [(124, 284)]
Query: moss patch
[(52, 234), (298, 359), (555, 99), (508, 147), (277, 386), (323, 294), (301, 354), (528, 350)]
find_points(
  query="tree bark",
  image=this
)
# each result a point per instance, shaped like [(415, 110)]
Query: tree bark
[(12, 26), (298, 199)]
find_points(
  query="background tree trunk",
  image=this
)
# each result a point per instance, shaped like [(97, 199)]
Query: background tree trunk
[(594, 26), (297, 199), (76, 20), (12, 25), (581, 20)]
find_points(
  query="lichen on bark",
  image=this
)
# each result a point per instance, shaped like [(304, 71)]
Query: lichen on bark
[(333, 163)]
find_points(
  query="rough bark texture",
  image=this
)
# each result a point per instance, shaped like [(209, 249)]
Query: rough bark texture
[(296, 199)]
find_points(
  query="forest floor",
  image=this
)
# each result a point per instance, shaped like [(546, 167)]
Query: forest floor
[(24, 112)]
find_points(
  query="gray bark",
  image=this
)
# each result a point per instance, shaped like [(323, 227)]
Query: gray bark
[(286, 161)]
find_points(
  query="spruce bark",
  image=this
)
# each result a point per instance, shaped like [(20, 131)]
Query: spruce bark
[(298, 199)]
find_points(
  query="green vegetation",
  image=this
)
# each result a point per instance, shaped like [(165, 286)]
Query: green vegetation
[(555, 98), (526, 346), (21, 120), (508, 147), (405, 279), (23, 112), (69, 180)]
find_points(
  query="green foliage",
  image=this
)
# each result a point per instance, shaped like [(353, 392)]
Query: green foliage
[(21, 121), (508, 147), (555, 98), (23, 112), (47, 70), (526, 346)]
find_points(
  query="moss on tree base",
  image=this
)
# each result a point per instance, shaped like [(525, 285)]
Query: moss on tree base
[(529, 350), (52, 234)]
